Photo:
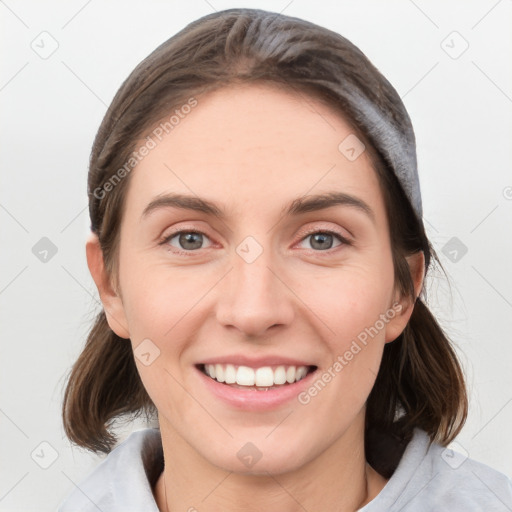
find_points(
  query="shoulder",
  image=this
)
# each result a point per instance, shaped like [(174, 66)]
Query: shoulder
[(459, 481), (431, 477), (122, 481)]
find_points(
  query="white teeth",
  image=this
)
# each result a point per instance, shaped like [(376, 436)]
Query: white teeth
[(263, 377), (280, 375), (219, 372), (245, 376), (230, 374), (301, 372)]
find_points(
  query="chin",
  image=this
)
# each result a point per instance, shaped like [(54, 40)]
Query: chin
[(260, 457)]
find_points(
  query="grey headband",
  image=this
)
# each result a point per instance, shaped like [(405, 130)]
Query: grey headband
[(398, 147)]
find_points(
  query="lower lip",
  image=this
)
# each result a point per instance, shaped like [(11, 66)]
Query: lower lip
[(254, 400)]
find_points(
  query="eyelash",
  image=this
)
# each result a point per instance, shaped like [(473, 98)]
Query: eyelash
[(342, 239)]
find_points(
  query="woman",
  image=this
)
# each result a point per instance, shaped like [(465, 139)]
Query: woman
[(258, 247)]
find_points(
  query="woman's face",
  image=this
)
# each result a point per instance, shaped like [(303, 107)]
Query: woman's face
[(267, 282)]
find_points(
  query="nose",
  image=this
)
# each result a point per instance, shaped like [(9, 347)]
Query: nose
[(254, 296)]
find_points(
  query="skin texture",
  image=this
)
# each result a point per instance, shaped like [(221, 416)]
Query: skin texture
[(253, 149)]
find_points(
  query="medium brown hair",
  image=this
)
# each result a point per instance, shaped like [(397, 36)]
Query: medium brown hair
[(420, 383)]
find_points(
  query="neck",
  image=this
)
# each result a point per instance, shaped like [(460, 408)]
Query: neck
[(190, 482)]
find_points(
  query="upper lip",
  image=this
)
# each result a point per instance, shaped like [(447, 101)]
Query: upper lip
[(255, 362)]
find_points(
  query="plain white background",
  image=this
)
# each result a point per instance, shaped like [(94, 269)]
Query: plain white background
[(449, 61)]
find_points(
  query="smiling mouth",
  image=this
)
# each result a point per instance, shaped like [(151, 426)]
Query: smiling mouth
[(261, 379)]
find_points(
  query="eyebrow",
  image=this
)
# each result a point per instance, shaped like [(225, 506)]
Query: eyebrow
[(298, 206)]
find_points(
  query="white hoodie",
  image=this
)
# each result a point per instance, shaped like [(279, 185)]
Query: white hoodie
[(427, 479)]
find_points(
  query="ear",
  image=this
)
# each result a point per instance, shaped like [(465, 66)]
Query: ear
[(111, 300), (404, 305)]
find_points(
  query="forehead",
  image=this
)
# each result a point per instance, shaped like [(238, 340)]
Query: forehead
[(254, 146)]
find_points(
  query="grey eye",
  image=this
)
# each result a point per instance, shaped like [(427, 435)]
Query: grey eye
[(323, 240), (187, 240)]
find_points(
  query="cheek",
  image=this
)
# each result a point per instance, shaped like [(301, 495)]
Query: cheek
[(162, 306), (350, 299), (355, 308), (158, 299), (160, 309)]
